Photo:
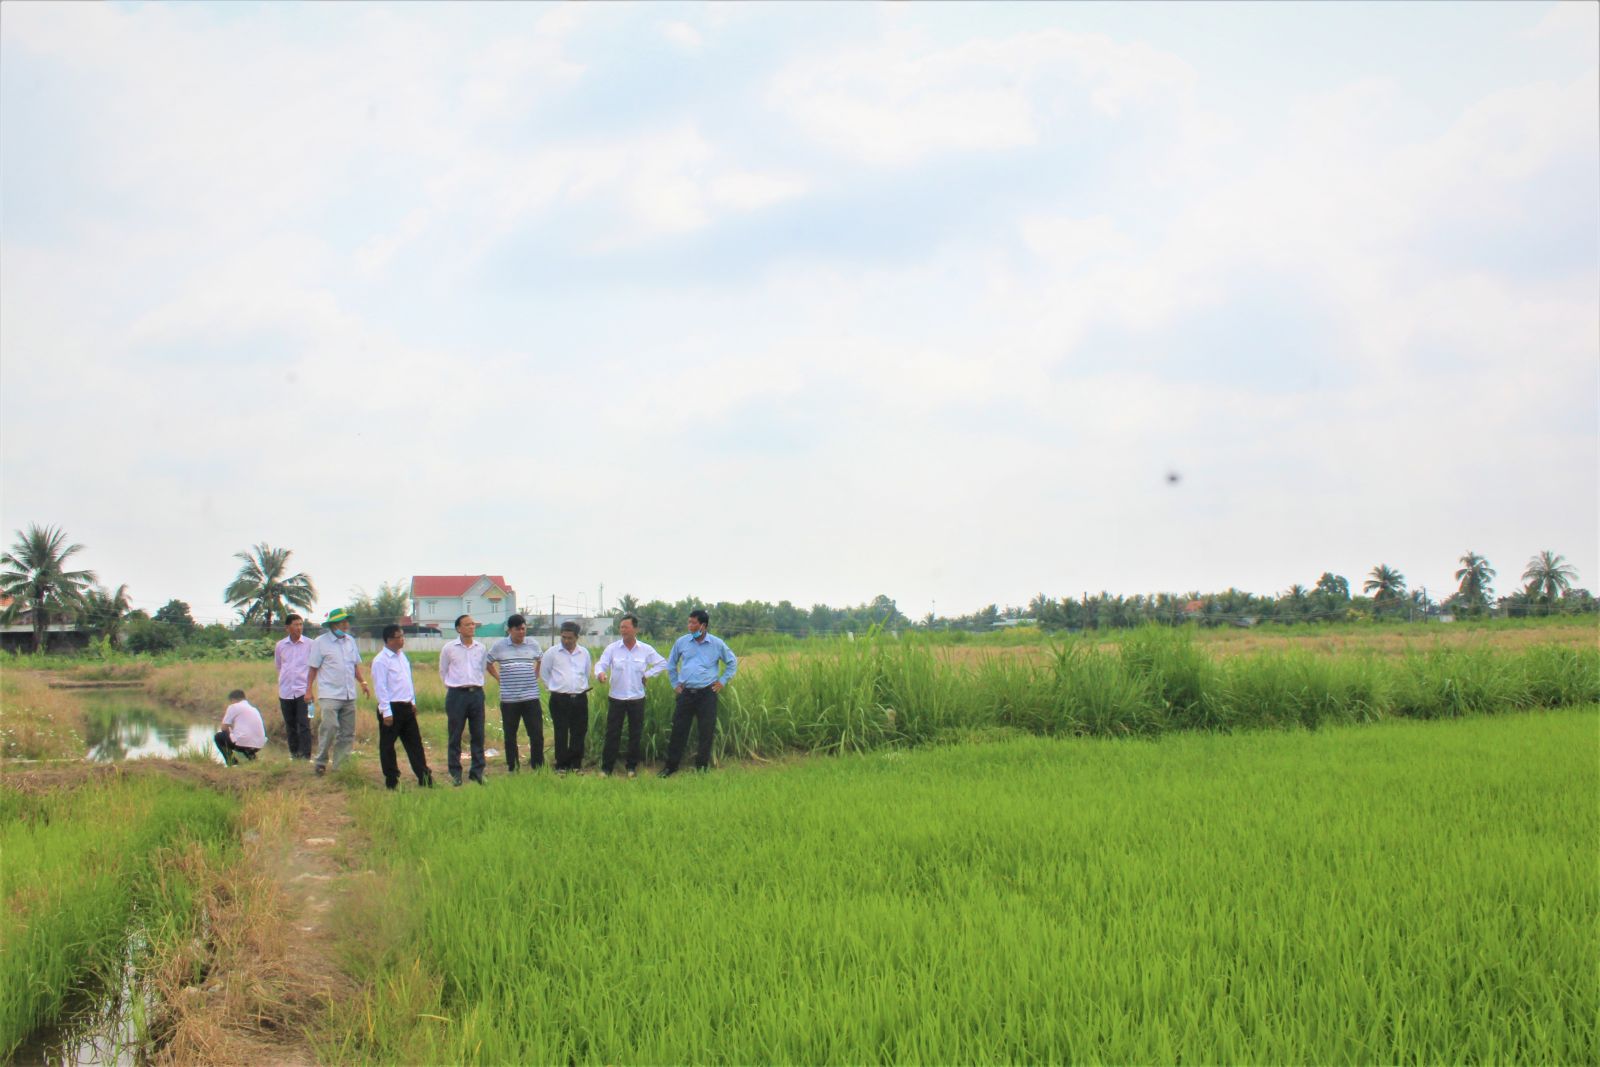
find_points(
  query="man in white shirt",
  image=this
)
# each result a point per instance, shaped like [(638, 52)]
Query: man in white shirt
[(242, 731), (461, 667), (397, 710), (565, 670), (514, 663), (626, 664), (333, 672)]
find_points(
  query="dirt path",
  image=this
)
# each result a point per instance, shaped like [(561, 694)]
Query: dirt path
[(268, 966)]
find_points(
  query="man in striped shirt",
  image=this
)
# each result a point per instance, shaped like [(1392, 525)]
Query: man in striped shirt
[(514, 663)]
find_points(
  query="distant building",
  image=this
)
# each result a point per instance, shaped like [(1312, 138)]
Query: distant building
[(437, 599)]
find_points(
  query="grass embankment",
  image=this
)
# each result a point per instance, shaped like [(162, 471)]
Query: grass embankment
[(82, 865), (37, 722), (1405, 893), (885, 692)]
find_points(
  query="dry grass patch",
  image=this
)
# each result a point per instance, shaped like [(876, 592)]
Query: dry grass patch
[(251, 983), (37, 722)]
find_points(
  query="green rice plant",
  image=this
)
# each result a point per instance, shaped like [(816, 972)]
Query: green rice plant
[(77, 865), (1406, 892)]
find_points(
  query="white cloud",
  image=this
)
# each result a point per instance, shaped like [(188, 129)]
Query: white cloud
[(898, 101)]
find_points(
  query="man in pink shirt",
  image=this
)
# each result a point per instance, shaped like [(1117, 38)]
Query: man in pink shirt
[(289, 656)]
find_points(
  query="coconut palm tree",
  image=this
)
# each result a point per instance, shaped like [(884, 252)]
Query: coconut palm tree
[(262, 590), (1385, 584), (104, 612), (37, 581), (1474, 576), (1549, 575)]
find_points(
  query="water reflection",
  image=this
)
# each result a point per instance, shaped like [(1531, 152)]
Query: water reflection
[(123, 732), (100, 1029)]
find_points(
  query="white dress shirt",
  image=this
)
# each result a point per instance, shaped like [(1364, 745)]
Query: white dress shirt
[(391, 680), (461, 664), (627, 668), (563, 671)]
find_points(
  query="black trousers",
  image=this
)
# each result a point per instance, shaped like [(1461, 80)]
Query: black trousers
[(296, 727), (406, 731), (228, 749), (693, 706), (569, 714), (633, 711), (526, 713), (463, 708)]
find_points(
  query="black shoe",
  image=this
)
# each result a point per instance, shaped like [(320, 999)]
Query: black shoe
[(478, 778), (666, 772), (455, 779), (426, 781), (322, 769), (391, 783), (701, 770)]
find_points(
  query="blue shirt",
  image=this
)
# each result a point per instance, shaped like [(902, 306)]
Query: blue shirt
[(694, 663)]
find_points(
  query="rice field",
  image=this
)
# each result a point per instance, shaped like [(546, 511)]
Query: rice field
[(82, 869), (1400, 892)]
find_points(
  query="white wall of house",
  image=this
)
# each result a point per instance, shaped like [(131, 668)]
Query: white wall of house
[(484, 602)]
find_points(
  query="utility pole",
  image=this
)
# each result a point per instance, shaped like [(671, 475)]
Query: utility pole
[(600, 601), (552, 620)]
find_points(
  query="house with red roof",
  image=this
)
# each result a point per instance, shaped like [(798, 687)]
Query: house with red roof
[(437, 599)]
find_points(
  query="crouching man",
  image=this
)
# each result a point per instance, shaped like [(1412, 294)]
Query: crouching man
[(243, 733)]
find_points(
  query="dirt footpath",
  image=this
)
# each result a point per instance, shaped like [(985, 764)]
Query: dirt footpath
[(267, 970)]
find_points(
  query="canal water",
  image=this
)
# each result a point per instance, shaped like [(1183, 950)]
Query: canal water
[(123, 728), (95, 1028)]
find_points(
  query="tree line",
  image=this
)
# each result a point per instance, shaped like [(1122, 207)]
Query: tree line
[(42, 586)]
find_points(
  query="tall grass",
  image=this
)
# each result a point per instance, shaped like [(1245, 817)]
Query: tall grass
[(78, 864), (855, 696), (1405, 893)]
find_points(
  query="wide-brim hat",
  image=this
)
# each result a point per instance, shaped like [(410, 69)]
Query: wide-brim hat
[(338, 615)]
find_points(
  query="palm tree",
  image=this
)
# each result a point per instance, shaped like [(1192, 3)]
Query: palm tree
[(37, 579), (104, 612), (628, 605), (1474, 577), (1386, 584), (1549, 575), (261, 590)]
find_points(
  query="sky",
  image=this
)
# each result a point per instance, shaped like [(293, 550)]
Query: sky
[(806, 302)]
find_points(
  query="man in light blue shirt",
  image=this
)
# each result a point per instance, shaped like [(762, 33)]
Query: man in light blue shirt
[(699, 666)]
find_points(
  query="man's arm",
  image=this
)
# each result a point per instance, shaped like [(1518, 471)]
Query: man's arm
[(654, 663), (381, 686), (604, 664), (730, 665), (362, 682), (444, 664), (673, 658), (311, 683)]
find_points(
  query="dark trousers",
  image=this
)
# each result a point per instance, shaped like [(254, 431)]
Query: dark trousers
[(463, 707), (569, 714), (693, 706), (228, 749), (296, 727), (526, 713), (406, 731), (633, 710)]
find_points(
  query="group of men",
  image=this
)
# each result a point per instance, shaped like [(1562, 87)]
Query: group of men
[(324, 674)]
